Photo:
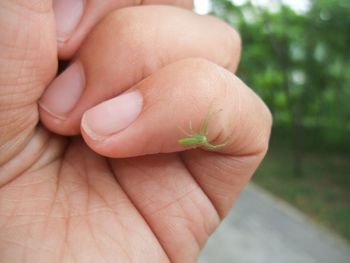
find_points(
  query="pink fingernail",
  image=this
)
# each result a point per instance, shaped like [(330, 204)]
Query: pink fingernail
[(64, 92), (113, 115), (67, 15)]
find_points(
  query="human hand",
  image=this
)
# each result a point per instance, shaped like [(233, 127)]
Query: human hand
[(60, 201)]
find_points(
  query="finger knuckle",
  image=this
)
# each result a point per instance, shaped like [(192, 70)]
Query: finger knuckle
[(211, 78), (235, 46), (231, 44)]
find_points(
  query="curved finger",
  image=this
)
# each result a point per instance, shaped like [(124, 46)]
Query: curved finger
[(145, 120), (76, 18), (128, 46)]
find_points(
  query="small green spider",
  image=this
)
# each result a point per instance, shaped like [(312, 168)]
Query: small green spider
[(200, 139)]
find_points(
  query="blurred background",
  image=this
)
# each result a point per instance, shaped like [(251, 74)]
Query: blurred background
[(296, 57)]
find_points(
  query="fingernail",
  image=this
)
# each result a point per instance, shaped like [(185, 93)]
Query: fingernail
[(64, 92), (113, 115), (67, 15)]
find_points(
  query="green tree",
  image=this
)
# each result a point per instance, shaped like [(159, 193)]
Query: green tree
[(300, 65)]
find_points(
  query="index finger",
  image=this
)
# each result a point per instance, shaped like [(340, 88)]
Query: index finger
[(76, 18)]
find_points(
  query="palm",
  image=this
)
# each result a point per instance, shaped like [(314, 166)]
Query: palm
[(76, 205), (62, 202)]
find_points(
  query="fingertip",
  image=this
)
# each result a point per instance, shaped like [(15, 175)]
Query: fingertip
[(61, 98), (64, 92), (113, 115), (88, 132), (58, 125)]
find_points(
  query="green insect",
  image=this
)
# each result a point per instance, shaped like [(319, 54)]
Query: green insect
[(200, 139)]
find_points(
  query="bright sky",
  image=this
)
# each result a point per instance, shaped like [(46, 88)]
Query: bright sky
[(300, 6)]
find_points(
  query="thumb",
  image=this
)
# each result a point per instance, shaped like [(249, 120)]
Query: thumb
[(225, 115), (27, 64)]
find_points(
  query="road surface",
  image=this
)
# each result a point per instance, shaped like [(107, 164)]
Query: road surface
[(263, 229)]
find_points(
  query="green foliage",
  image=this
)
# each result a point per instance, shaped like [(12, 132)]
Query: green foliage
[(299, 64), (322, 193)]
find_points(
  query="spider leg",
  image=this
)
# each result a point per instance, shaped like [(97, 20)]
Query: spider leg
[(205, 123), (191, 129), (215, 146), (185, 132)]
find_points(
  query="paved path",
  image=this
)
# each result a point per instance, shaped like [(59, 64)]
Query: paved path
[(264, 229)]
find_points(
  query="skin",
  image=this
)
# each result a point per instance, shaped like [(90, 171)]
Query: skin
[(134, 196)]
